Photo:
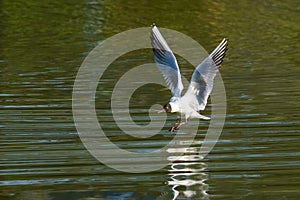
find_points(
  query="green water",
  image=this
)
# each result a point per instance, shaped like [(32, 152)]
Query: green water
[(42, 45)]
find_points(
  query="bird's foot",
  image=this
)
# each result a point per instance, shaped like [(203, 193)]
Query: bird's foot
[(177, 125)]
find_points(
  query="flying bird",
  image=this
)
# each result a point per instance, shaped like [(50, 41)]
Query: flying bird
[(201, 84)]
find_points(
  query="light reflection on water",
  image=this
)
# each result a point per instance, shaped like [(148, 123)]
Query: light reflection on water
[(188, 175)]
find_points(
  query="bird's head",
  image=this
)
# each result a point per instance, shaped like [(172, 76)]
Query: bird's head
[(167, 108)]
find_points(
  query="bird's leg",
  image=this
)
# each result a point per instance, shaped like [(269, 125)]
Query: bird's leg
[(183, 123), (176, 125)]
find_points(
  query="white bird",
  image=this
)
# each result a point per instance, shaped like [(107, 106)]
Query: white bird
[(201, 85)]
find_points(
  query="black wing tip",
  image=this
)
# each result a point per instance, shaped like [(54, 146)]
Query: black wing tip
[(153, 26), (223, 43), (225, 40), (219, 53)]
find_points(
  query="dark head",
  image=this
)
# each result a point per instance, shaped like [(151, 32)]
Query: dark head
[(167, 107)]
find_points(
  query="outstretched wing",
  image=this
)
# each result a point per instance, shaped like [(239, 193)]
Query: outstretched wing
[(166, 62), (202, 80)]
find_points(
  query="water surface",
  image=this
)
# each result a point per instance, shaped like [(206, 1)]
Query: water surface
[(42, 45)]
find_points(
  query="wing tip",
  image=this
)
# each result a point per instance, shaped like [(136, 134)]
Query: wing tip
[(219, 52), (153, 27)]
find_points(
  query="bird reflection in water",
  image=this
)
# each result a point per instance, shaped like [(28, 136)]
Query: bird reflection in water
[(187, 174)]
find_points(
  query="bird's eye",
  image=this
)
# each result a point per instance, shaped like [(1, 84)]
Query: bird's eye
[(167, 107)]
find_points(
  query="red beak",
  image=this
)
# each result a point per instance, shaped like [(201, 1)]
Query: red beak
[(161, 111)]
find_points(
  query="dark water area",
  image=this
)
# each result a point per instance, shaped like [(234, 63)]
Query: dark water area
[(42, 46)]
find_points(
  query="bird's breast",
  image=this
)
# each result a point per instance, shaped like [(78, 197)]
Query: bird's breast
[(175, 106)]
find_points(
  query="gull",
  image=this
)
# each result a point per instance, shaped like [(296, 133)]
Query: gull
[(201, 84)]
